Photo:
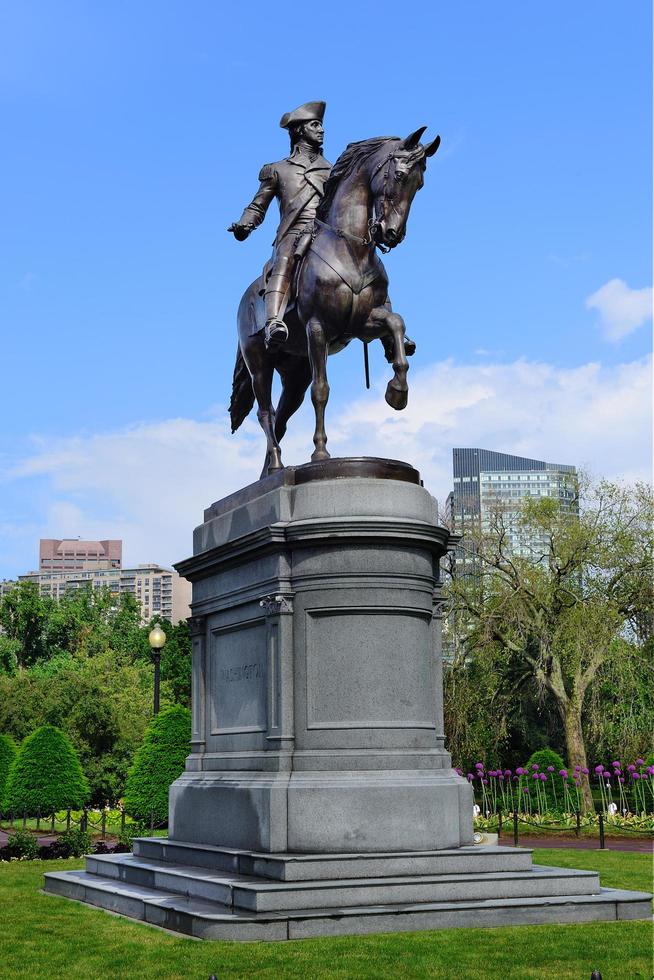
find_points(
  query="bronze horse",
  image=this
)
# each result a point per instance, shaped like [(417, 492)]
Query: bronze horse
[(341, 291)]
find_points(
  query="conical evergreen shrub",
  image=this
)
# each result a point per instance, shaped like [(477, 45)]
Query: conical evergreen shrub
[(157, 764), (8, 752), (46, 775)]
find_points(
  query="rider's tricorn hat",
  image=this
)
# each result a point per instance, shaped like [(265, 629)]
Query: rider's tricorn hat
[(303, 113)]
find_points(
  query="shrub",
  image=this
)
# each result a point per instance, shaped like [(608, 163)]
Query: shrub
[(8, 752), (46, 775), (74, 843), (158, 762), (21, 844), (129, 832), (551, 763)]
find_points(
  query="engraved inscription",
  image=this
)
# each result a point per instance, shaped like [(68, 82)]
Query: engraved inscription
[(238, 684), (244, 672)]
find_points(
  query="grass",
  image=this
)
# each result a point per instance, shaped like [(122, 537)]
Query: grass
[(46, 937)]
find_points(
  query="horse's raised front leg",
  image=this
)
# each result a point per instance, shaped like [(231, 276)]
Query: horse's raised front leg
[(317, 344), (383, 321)]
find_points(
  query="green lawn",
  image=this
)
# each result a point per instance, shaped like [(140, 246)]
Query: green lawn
[(47, 937)]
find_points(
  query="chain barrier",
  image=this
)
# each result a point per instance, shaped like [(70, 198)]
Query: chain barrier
[(100, 825)]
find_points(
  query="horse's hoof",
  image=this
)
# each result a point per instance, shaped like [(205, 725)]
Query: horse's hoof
[(409, 347), (397, 398), (319, 454)]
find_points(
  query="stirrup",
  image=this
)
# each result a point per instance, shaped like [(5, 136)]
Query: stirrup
[(275, 334)]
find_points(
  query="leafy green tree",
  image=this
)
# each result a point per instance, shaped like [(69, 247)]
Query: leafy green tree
[(103, 703), (158, 763), (8, 752), (23, 617), (46, 774), (563, 610)]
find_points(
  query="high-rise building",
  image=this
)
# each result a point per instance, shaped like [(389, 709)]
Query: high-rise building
[(73, 554), (485, 481), (71, 564)]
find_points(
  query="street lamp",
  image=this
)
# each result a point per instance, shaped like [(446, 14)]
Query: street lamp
[(156, 639)]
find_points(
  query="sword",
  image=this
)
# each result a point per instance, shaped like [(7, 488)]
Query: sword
[(366, 365)]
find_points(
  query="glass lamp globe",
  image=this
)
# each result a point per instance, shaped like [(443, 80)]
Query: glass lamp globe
[(157, 637)]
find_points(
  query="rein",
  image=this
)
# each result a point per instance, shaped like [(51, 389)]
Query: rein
[(372, 222)]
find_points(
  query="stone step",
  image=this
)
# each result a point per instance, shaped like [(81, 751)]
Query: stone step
[(313, 867), (207, 920), (263, 895)]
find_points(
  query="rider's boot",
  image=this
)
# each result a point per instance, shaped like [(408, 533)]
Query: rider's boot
[(276, 331)]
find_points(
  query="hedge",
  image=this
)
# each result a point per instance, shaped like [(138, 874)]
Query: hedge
[(157, 764), (46, 775), (8, 753)]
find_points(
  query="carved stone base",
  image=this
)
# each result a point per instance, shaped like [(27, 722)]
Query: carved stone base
[(317, 722)]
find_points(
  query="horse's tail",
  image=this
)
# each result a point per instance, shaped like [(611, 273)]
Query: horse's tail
[(242, 398)]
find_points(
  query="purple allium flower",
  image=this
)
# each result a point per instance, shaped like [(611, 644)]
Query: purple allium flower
[(470, 776), (598, 769), (534, 775), (577, 766), (564, 773), (458, 771), (525, 789), (606, 774), (635, 775), (631, 768), (507, 772), (485, 782), (501, 775), (577, 781), (640, 762), (520, 771), (550, 768), (585, 772), (515, 779), (479, 765), (616, 764), (621, 779), (644, 775), (534, 765), (543, 776)]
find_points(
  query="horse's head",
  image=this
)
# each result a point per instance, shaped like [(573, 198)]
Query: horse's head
[(394, 182)]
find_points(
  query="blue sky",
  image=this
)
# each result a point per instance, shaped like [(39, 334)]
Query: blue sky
[(132, 136)]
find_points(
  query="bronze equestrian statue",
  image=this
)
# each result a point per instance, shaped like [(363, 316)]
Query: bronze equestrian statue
[(340, 286)]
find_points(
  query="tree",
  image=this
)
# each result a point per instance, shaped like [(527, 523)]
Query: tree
[(46, 774), (8, 752), (102, 702), (564, 610), (23, 617), (158, 763)]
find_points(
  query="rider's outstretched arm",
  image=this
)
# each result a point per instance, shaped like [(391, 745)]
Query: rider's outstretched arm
[(255, 212)]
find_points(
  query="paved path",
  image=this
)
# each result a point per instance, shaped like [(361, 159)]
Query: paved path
[(643, 845)]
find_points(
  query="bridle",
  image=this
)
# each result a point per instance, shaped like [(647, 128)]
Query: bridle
[(386, 198)]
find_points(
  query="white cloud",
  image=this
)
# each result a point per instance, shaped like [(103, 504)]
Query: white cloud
[(149, 484), (622, 310)]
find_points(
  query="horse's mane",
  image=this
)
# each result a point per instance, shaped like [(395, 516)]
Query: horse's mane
[(349, 160)]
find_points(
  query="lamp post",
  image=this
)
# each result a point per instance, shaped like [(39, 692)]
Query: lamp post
[(156, 639)]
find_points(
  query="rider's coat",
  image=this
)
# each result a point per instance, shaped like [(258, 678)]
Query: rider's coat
[(298, 183)]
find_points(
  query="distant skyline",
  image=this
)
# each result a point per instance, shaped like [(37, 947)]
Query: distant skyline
[(133, 136)]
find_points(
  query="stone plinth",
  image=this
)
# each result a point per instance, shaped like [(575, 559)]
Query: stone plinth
[(318, 798), (317, 687)]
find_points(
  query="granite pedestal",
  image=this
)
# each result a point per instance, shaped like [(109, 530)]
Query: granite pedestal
[(318, 797)]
